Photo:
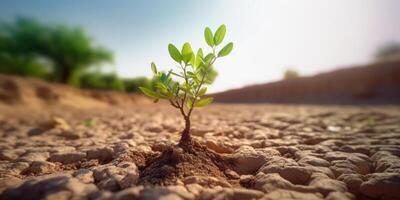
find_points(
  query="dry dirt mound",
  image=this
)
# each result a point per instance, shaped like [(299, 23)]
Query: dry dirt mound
[(185, 163), (38, 94), (376, 83)]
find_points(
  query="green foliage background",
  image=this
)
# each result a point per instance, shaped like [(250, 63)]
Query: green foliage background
[(58, 53)]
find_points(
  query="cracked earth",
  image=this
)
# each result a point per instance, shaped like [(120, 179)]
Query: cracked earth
[(273, 151)]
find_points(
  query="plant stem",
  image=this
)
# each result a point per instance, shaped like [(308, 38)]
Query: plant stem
[(185, 137)]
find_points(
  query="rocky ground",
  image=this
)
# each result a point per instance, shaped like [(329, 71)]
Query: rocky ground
[(275, 152)]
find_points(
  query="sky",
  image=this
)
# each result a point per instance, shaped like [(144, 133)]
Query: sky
[(269, 36)]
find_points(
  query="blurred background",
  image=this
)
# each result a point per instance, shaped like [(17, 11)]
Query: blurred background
[(304, 51)]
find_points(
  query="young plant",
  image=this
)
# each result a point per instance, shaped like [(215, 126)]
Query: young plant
[(188, 88)]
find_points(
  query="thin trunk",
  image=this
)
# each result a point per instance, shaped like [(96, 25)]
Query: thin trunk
[(65, 74), (186, 138)]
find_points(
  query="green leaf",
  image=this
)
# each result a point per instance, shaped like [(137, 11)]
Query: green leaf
[(193, 61), (150, 93), (163, 77), (189, 103), (175, 74), (191, 73), (203, 102), (187, 52), (153, 68), (89, 123), (208, 58), (211, 74), (219, 34), (199, 53), (161, 86), (226, 50), (202, 91), (199, 57), (169, 74), (208, 35), (164, 90), (175, 88), (174, 53)]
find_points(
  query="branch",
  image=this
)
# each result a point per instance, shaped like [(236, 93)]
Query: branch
[(198, 89), (173, 104), (183, 111), (185, 95)]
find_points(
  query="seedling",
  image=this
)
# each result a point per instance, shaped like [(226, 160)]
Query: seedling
[(89, 123), (186, 89)]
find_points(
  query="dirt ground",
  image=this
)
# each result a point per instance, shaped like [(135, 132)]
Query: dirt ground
[(271, 151)]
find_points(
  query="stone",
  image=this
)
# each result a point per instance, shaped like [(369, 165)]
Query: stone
[(169, 192), (59, 195), (353, 182), (381, 185), (36, 131), (129, 180), (109, 184), (194, 188), (323, 170), (218, 147), (269, 182), (9, 182), (340, 167), (324, 185), (70, 135), (314, 161), (128, 194), (362, 162), (18, 167), (336, 155), (84, 175), (287, 150), (280, 162), (349, 162), (58, 123), (231, 193), (295, 174), (385, 161), (8, 155), (39, 167), (356, 149), (113, 178), (340, 196), (290, 195), (101, 195), (231, 174), (62, 149), (56, 187), (103, 154), (247, 160), (33, 156), (67, 158), (206, 181)]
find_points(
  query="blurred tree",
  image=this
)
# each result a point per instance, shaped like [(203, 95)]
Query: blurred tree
[(389, 50), (133, 84), (291, 74), (23, 66), (69, 49), (97, 80)]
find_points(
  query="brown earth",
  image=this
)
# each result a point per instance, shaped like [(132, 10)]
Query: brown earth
[(127, 151), (376, 83), (37, 94)]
